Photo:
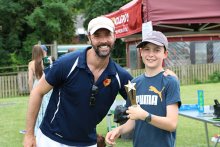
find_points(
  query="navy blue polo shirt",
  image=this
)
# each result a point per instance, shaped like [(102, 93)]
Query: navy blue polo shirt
[(69, 119)]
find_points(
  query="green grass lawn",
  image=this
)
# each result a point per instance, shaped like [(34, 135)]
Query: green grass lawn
[(190, 133), (12, 120)]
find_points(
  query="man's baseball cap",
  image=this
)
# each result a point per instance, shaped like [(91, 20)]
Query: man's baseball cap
[(154, 37), (100, 22)]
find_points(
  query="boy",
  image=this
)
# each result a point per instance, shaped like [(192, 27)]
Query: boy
[(155, 118)]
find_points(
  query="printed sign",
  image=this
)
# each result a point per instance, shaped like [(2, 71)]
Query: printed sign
[(127, 19)]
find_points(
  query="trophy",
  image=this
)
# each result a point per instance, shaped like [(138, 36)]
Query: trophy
[(131, 92)]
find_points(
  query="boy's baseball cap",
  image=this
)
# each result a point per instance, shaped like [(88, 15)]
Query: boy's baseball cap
[(100, 22), (154, 37)]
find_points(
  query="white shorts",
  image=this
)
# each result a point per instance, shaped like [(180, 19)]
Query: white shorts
[(44, 141)]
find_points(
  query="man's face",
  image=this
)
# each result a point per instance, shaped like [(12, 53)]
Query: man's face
[(102, 42)]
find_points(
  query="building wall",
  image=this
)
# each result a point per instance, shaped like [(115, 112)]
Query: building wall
[(180, 53)]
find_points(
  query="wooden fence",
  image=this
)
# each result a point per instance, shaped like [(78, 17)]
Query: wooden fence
[(189, 74), (17, 84), (14, 85)]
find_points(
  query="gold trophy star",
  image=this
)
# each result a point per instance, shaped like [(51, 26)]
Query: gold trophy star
[(131, 92), (130, 86)]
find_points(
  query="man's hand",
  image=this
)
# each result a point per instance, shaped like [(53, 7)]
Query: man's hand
[(29, 140), (169, 72)]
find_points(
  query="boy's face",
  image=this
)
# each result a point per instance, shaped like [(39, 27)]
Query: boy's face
[(153, 55)]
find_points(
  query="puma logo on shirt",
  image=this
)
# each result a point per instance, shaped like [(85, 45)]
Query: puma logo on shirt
[(150, 99), (152, 88)]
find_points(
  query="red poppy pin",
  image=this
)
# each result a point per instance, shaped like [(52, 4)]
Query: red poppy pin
[(106, 82)]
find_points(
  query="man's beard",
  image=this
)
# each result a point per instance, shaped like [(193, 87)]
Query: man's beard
[(103, 54)]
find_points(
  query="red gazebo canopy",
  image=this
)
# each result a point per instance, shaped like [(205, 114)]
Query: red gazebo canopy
[(172, 17)]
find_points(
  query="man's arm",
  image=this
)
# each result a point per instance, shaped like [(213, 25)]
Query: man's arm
[(33, 108)]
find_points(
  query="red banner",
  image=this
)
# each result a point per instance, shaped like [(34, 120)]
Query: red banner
[(127, 19)]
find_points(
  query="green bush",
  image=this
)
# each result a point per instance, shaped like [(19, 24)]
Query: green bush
[(196, 81), (215, 77)]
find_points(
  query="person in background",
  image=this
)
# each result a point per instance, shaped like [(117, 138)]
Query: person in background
[(44, 50), (155, 118), (47, 60), (36, 68)]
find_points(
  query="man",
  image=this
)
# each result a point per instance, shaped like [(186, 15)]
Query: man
[(85, 84)]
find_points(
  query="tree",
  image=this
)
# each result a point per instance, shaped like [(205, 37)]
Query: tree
[(26, 22)]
